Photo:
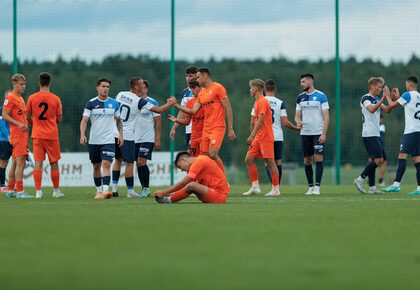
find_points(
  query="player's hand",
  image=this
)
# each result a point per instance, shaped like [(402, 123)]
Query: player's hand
[(171, 100), (299, 125), (157, 144), (158, 193), (231, 135), (83, 140), (171, 118), (386, 91), (120, 140), (322, 138), (172, 133), (22, 127), (249, 139), (395, 94)]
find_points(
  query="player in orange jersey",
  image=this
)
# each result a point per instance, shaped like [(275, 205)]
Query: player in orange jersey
[(261, 140), (196, 120), (205, 179), (215, 102), (14, 113), (44, 112)]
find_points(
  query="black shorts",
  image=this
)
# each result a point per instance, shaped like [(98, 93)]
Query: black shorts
[(278, 150), (127, 152), (144, 150), (97, 153), (187, 140), (311, 146), (5, 150), (410, 144), (373, 147)]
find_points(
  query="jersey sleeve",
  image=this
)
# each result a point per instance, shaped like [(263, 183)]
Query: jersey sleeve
[(8, 103), (144, 104), (184, 101), (283, 112), (155, 103), (88, 109), (195, 169), (366, 101), (221, 92), (404, 99), (117, 113), (298, 108), (324, 103)]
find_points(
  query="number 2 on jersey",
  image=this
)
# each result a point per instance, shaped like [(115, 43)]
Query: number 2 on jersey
[(417, 114), (44, 111)]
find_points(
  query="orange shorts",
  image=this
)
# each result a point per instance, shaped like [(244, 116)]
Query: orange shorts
[(212, 139), (214, 196), (195, 147), (46, 146), (261, 150), (19, 144)]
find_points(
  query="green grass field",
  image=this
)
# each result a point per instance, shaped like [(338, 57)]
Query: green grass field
[(339, 240)]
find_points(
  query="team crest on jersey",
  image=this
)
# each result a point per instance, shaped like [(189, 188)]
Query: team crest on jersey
[(109, 105), (314, 98), (210, 92)]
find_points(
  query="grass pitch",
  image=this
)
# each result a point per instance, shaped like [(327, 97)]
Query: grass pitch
[(339, 240)]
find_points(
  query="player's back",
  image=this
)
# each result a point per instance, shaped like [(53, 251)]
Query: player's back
[(45, 107), (206, 171), (278, 110), (129, 111), (144, 130), (410, 101)]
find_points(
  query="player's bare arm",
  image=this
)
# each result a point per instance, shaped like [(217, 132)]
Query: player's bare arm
[(180, 184), (229, 114), (162, 109), (392, 99), (6, 116), (298, 118), (326, 115), (83, 125), (59, 118), (183, 120), (158, 131), (257, 127), (192, 111), (286, 123), (119, 124), (29, 117)]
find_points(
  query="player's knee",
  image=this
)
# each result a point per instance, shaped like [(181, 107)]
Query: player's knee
[(318, 158), (96, 166), (141, 162), (378, 161), (307, 161)]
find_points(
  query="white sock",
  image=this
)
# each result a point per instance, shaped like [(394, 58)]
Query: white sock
[(105, 187), (131, 191), (56, 190), (39, 191), (114, 187), (316, 187), (360, 178), (396, 183), (99, 189), (418, 188), (372, 188)]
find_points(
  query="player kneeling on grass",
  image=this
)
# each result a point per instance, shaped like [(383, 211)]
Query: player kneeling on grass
[(205, 179)]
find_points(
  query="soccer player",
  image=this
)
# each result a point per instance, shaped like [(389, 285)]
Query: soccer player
[(103, 113), (410, 144), (14, 113), (44, 112), (205, 179), (147, 137), (371, 106), (261, 140), (312, 112), (215, 102), (190, 73), (381, 181), (5, 149), (130, 107), (197, 120)]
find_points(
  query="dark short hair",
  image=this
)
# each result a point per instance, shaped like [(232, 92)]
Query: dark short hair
[(204, 70), (413, 79), (307, 76), (103, 80), (179, 155), (133, 81), (146, 83), (44, 79), (191, 70), (270, 85), (193, 83)]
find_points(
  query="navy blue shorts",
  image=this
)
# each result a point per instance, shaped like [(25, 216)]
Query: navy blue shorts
[(97, 153), (278, 150), (127, 152), (187, 140), (5, 150), (311, 146), (144, 150), (410, 144), (373, 147), (383, 146)]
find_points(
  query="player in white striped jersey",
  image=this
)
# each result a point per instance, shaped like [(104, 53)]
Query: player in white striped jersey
[(371, 106), (312, 111), (410, 144), (103, 113), (130, 107)]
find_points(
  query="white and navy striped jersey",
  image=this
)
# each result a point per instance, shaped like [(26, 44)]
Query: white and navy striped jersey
[(278, 110), (311, 106), (145, 127), (102, 116), (370, 127), (130, 106), (186, 96), (411, 103)]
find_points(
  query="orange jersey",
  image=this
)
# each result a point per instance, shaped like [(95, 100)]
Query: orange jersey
[(45, 107), (197, 120), (214, 111), (16, 105), (205, 171), (262, 107)]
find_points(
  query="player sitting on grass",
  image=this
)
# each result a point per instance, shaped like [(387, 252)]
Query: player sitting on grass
[(204, 178)]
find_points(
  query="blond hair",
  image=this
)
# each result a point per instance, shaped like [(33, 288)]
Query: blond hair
[(375, 80), (257, 83), (17, 78)]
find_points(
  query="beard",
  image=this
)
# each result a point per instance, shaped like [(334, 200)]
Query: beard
[(305, 89)]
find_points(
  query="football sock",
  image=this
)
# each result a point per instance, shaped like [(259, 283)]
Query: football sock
[(380, 180), (11, 185), (2, 176), (145, 174), (309, 175), (275, 178), (19, 185), (369, 167), (319, 170), (179, 195), (130, 182), (402, 164), (418, 172), (280, 169), (220, 163), (253, 175), (55, 178), (267, 170), (98, 184), (140, 174), (105, 181), (37, 174), (372, 177)]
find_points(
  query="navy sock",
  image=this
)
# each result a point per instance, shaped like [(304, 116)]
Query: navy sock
[(2, 177), (115, 176), (140, 175), (267, 170), (418, 173), (368, 169), (319, 170), (280, 169), (402, 163), (146, 176), (309, 175), (106, 180), (372, 177), (130, 182), (98, 181)]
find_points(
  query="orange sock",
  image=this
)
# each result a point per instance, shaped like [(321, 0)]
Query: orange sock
[(253, 175), (37, 178), (179, 195), (275, 178), (220, 163), (19, 185), (55, 178), (11, 185)]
